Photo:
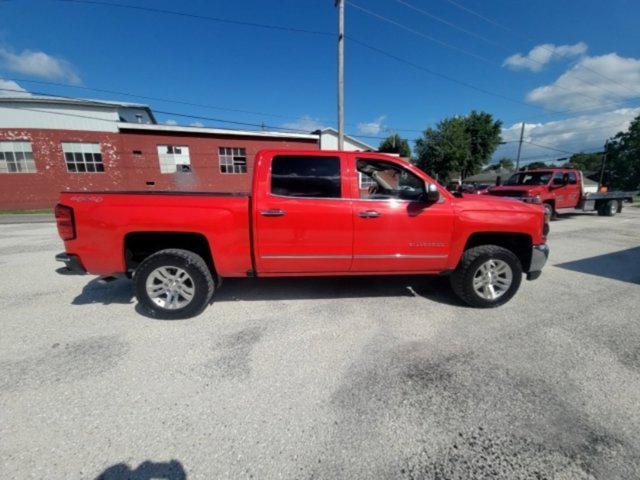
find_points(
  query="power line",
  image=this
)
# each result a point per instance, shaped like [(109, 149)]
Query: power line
[(444, 76), (488, 41), (272, 127), (467, 52), (201, 17), (423, 35), (177, 114), (530, 39), (548, 147), (448, 23), (297, 30), (169, 100)]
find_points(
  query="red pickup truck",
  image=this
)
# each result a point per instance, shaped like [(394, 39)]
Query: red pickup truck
[(308, 214), (561, 189)]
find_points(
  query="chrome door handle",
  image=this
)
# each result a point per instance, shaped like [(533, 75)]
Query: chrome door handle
[(368, 214), (272, 213)]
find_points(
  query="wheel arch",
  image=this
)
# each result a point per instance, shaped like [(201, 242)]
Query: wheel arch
[(140, 245), (518, 243)]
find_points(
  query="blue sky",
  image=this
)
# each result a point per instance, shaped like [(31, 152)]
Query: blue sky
[(589, 59)]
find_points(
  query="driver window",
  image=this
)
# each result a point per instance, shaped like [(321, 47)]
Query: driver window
[(558, 179), (382, 180)]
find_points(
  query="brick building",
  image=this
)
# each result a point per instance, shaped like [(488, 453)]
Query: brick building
[(49, 145)]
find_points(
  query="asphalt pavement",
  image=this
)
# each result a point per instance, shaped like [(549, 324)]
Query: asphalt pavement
[(387, 377)]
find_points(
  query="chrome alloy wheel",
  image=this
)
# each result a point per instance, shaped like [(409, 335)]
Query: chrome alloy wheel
[(492, 279), (170, 288)]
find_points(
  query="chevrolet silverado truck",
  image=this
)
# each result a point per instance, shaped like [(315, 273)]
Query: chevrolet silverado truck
[(561, 189), (309, 213)]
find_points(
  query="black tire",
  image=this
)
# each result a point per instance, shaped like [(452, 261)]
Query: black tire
[(551, 211), (610, 208), (186, 260), (462, 277)]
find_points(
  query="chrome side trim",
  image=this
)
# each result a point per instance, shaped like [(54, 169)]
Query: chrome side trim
[(398, 256), (298, 257)]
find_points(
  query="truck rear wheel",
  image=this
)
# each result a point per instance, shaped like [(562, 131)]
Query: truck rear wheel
[(173, 284), (487, 276), (609, 208)]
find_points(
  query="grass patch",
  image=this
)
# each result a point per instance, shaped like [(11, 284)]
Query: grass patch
[(27, 211)]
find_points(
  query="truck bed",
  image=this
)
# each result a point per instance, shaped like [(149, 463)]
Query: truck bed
[(104, 219)]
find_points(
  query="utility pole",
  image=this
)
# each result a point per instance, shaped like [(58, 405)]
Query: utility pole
[(519, 147), (604, 161), (340, 5)]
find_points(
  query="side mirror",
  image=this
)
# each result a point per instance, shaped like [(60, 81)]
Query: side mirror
[(432, 194)]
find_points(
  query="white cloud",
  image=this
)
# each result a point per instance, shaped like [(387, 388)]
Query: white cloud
[(305, 123), (170, 122), (9, 88), (196, 124), (585, 133), (540, 55), (38, 64), (371, 128), (592, 82)]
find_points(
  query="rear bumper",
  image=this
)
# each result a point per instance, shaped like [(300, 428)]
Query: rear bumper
[(72, 265), (539, 256)]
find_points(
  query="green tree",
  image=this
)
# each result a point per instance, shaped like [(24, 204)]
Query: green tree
[(503, 163), (395, 144), (461, 144), (587, 162), (623, 158), (533, 165)]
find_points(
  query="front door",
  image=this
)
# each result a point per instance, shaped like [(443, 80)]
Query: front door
[(562, 190), (303, 220), (394, 229)]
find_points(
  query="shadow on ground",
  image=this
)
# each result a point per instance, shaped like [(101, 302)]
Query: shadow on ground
[(623, 265), (172, 470), (301, 288), (117, 291)]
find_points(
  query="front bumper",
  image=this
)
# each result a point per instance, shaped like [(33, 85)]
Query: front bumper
[(539, 256), (72, 265)]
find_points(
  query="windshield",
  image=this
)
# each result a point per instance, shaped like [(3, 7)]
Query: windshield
[(529, 178)]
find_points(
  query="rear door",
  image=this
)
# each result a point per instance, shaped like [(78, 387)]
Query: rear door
[(303, 218), (394, 230)]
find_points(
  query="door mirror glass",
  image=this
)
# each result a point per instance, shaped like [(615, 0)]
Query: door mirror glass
[(432, 194)]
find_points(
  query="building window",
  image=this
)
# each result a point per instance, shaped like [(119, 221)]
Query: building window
[(365, 181), (174, 158), (83, 157), (16, 157), (232, 160)]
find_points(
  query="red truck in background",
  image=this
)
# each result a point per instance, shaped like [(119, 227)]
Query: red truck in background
[(308, 214), (561, 189)]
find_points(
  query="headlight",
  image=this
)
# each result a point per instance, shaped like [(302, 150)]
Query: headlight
[(534, 199)]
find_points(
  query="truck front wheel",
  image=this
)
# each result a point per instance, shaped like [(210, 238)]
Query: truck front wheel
[(173, 284), (487, 276), (550, 211)]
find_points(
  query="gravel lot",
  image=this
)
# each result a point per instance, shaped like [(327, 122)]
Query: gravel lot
[(326, 378)]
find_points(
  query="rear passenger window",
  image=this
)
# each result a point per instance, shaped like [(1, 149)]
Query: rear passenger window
[(305, 176)]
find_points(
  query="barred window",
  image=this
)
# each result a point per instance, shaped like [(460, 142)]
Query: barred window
[(174, 158), (16, 157), (365, 181), (232, 160), (83, 157)]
